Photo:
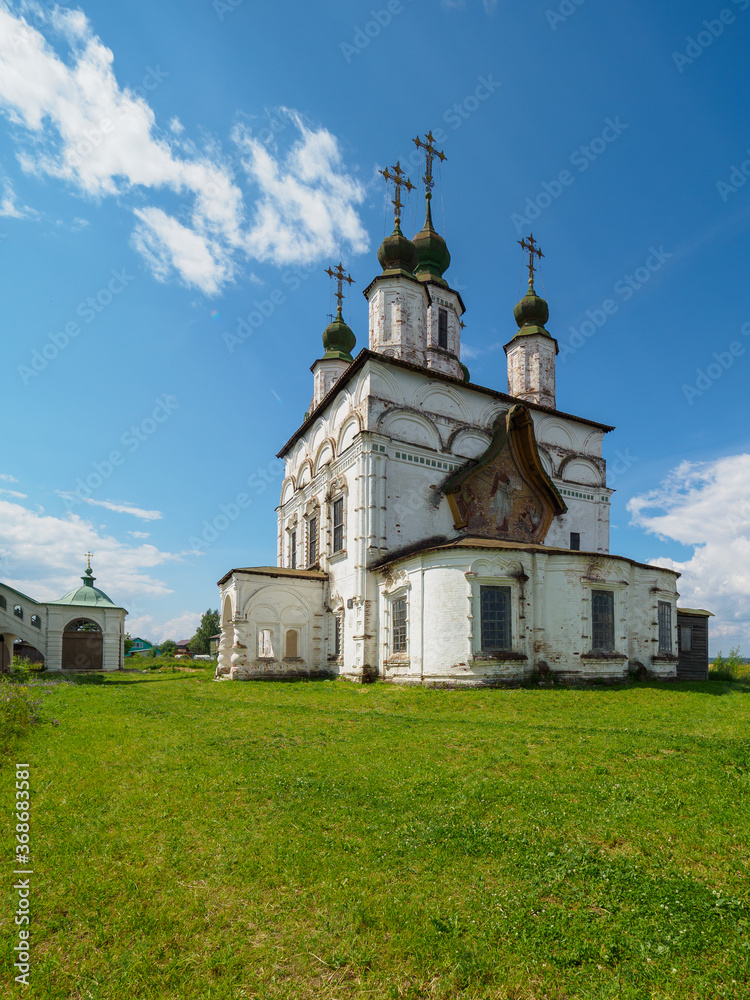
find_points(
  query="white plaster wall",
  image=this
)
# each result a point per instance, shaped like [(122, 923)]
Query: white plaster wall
[(397, 318), (551, 615), (277, 603), (531, 369)]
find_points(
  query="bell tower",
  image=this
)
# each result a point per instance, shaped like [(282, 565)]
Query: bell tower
[(338, 341), (532, 351), (445, 306), (396, 298)]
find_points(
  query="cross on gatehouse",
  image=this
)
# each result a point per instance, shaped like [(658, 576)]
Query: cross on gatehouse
[(430, 152), (534, 250), (400, 180), (340, 275), (89, 557)]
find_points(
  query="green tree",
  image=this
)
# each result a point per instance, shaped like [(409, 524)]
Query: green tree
[(209, 626), (128, 643), (168, 647)]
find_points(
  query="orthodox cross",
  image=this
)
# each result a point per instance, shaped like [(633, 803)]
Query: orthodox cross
[(430, 152), (340, 275), (534, 251), (88, 556), (400, 180)]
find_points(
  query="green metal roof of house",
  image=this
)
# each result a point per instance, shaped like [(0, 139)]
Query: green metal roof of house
[(87, 595)]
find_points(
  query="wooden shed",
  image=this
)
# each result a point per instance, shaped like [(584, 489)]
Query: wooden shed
[(692, 644)]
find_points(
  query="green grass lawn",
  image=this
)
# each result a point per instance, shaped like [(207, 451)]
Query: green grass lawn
[(195, 839)]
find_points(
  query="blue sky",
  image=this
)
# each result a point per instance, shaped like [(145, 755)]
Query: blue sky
[(169, 169)]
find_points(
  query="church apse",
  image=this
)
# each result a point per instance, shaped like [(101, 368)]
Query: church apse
[(506, 493)]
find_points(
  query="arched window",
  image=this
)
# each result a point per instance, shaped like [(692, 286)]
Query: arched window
[(3, 602), (18, 611), (36, 621), (82, 625), (291, 646)]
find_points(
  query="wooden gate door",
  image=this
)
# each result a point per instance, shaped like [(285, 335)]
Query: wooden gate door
[(82, 650)]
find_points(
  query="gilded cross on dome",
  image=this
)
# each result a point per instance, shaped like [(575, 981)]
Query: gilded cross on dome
[(89, 556), (430, 152), (534, 251), (400, 180), (341, 276)]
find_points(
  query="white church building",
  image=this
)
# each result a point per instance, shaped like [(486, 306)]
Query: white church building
[(435, 531)]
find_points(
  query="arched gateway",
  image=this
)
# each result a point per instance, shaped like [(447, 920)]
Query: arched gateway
[(84, 630)]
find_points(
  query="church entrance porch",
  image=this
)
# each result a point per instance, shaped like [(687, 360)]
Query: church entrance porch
[(83, 646)]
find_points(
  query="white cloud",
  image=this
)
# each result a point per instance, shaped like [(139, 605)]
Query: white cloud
[(6, 477), (707, 506), (118, 506), (10, 207), (167, 245), (306, 203), (181, 627), (139, 534), (42, 556), (57, 86), (14, 493)]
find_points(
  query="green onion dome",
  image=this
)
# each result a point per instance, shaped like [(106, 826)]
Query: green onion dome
[(531, 313), (396, 253), (339, 339), (465, 370), (432, 252)]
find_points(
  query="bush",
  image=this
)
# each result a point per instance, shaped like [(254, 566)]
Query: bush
[(729, 668), (18, 711), (21, 667)]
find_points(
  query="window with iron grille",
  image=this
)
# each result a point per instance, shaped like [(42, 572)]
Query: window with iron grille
[(18, 611), (496, 608), (575, 541), (312, 541), (398, 626), (665, 627), (442, 328), (293, 549), (338, 524), (603, 619)]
